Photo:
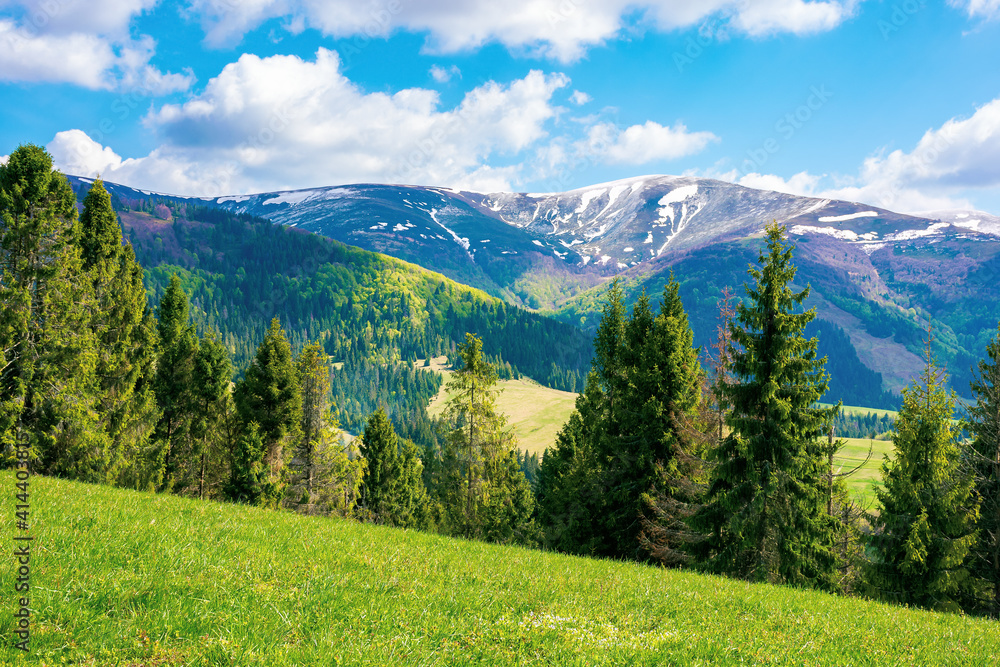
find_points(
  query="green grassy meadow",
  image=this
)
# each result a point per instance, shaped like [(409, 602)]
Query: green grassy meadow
[(535, 412), (126, 578), (853, 454)]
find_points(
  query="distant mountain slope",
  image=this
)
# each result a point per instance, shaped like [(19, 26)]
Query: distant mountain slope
[(879, 276)]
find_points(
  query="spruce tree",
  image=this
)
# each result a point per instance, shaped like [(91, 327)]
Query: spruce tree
[(925, 527), (314, 381), (380, 447), (126, 337), (651, 458), (49, 389), (250, 479), (176, 460), (764, 517), (211, 426), (269, 395), (393, 488), (984, 456), (569, 493)]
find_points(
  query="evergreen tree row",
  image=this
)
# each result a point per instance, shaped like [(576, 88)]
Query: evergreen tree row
[(731, 472)]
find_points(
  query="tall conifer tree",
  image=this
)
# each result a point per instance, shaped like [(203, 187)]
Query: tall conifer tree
[(765, 517), (925, 527), (211, 426), (270, 396), (49, 384), (660, 392), (476, 447), (126, 337), (984, 425), (175, 461)]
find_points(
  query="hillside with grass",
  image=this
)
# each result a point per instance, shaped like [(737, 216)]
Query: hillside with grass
[(129, 578)]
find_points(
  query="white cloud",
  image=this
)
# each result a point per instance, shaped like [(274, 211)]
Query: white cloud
[(802, 184), (66, 17), (444, 75), (947, 165), (82, 42), (560, 29), (4, 158), (73, 152), (985, 9), (641, 144), (270, 123), (579, 98)]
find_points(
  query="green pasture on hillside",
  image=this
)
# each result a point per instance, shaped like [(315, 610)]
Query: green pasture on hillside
[(126, 578)]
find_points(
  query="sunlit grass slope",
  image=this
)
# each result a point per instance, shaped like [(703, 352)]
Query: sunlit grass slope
[(536, 413), (135, 579)]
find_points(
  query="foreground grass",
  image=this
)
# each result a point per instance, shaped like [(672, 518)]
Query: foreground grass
[(136, 579)]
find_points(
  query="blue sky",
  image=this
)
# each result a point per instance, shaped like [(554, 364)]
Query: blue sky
[(895, 104)]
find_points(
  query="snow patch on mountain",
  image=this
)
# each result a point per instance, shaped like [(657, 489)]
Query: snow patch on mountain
[(849, 216), (842, 234)]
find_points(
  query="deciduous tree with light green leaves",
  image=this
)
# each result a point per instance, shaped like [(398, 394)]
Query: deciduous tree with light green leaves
[(765, 514), (925, 527)]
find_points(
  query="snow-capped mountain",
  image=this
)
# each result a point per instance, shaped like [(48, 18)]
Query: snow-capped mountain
[(880, 276)]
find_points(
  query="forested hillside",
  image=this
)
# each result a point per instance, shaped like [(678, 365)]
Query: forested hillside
[(370, 312)]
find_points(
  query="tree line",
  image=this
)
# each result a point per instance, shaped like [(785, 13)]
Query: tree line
[(730, 470), (102, 389)]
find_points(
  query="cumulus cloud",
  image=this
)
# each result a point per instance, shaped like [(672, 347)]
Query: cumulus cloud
[(641, 144), (947, 163), (269, 123), (284, 122), (983, 9), (444, 75), (579, 98), (560, 29), (73, 152), (82, 42)]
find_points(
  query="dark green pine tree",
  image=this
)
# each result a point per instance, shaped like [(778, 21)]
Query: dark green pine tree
[(569, 492), (508, 513), (269, 395), (661, 389), (314, 382), (924, 530), (126, 337), (175, 464), (250, 479), (380, 447), (765, 514), (49, 388), (212, 428), (984, 454)]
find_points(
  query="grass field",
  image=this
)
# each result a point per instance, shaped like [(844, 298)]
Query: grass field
[(123, 578), (855, 410), (535, 412), (852, 455)]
